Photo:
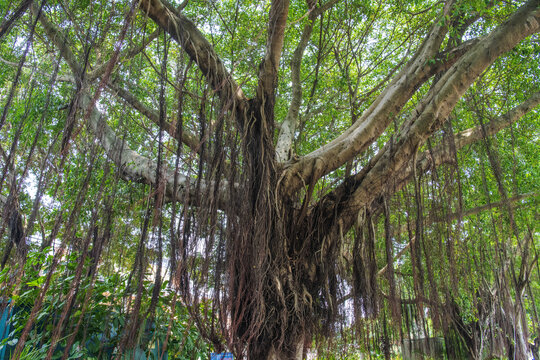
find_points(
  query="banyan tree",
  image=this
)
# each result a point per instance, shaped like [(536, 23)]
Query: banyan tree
[(301, 177)]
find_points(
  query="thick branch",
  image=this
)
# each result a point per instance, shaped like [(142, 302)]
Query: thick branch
[(61, 42), (376, 118), (197, 47), (362, 189), (131, 164), (268, 72), (442, 98), (137, 167)]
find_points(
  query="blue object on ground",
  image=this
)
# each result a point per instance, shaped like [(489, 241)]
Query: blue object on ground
[(221, 356), (5, 327)]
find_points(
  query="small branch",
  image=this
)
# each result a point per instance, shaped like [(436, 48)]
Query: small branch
[(397, 257), (126, 55), (59, 78), (455, 216), (424, 10), (190, 140), (6, 25), (479, 209), (289, 125), (441, 154), (321, 9), (469, 136), (182, 5)]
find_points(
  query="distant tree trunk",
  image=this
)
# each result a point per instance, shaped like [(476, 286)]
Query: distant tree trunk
[(516, 330), (500, 330)]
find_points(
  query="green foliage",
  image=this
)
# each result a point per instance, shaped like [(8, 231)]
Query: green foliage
[(103, 320)]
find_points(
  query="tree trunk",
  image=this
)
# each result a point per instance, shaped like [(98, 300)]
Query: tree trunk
[(296, 353)]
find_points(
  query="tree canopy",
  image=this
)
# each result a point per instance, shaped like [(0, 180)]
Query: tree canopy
[(277, 179)]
